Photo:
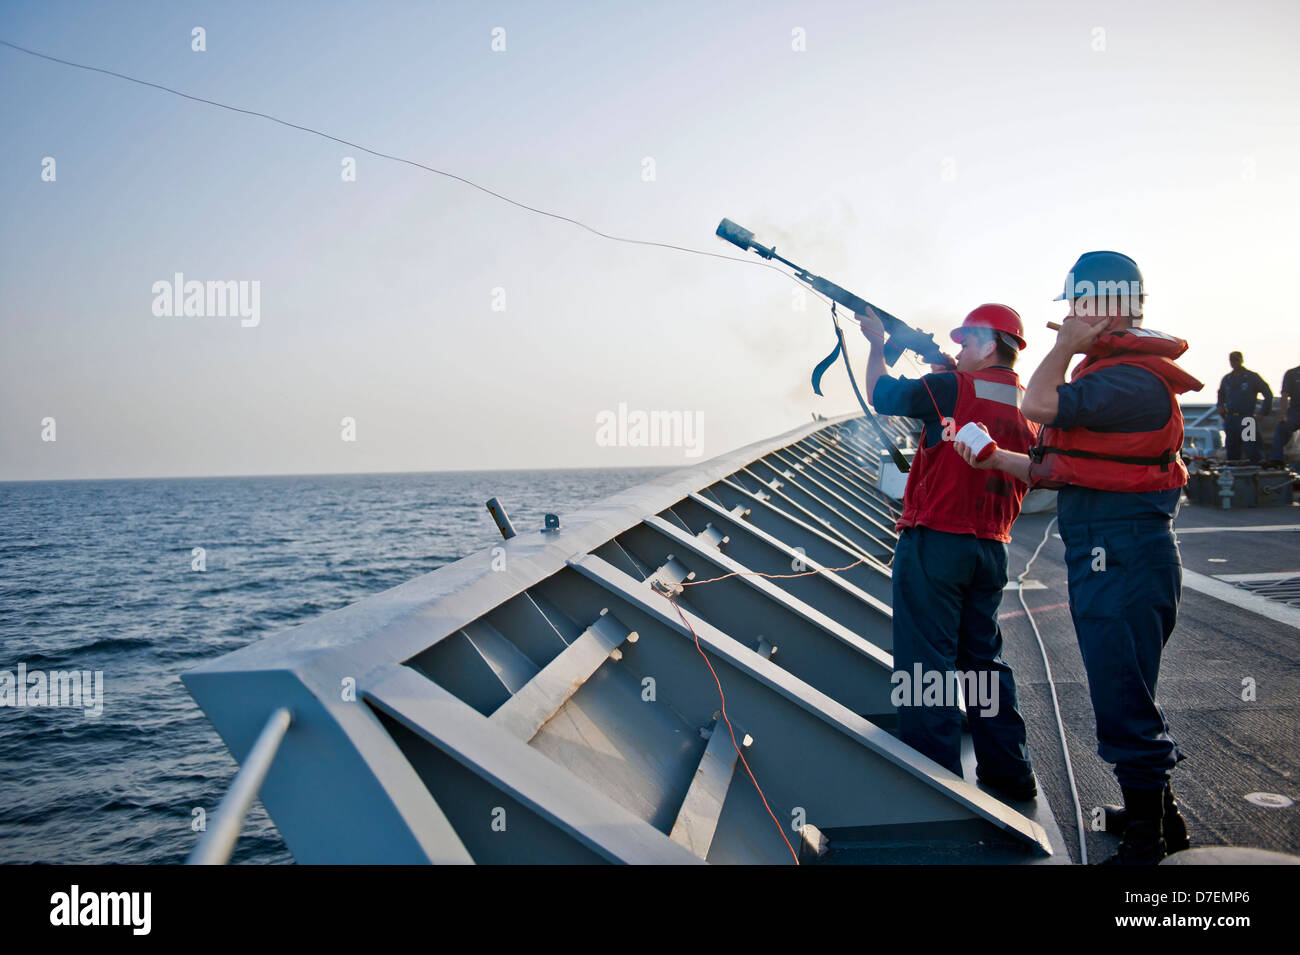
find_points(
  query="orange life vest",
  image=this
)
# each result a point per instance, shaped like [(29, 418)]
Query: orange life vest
[(1120, 461)]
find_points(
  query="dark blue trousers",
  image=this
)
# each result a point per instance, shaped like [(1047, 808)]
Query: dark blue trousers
[(1235, 449), (947, 591), (1126, 579)]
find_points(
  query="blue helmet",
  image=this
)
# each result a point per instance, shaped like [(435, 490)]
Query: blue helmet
[(1103, 272)]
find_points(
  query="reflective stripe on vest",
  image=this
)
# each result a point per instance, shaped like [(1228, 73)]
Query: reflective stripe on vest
[(944, 493), (1002, 392), (1152, 333)]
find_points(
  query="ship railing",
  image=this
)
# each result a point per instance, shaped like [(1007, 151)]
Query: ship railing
[(218, 841)]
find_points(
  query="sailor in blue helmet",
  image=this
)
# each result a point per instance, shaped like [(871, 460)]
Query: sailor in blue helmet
[(1111, 446)]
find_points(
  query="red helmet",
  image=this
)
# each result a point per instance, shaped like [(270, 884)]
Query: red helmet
[(1000, 318)]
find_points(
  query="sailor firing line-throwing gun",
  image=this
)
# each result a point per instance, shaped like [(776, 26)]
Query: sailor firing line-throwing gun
[(902, 337), (950, 564)]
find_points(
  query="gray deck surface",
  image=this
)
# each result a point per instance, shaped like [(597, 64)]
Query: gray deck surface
[(1232, 747)]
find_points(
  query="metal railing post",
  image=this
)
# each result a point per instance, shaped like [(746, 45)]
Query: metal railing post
[(218, 842)]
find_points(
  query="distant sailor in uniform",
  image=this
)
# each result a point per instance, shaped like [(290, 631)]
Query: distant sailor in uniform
[(1288, 415), (1237, 393), (1111, 446), (950, 565)]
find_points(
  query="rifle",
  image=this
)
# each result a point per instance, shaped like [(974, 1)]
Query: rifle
[(902, 337)]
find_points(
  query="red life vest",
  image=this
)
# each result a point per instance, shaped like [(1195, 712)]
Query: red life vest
[(943, 492), (1120, 461)]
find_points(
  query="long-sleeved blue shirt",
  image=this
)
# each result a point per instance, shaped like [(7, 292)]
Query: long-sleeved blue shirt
[(1238, 390), (1119, 399), (908, 397)]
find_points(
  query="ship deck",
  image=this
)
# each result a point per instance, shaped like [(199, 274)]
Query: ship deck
[(1233, 747), (558, 698)]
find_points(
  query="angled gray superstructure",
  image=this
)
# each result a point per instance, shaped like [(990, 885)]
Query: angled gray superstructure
[(553, 698)]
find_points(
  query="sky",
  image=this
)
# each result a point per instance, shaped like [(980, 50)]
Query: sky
[(928, 156)]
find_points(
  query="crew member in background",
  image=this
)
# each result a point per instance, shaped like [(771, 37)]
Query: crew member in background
[(950, 565), (1237, 393), (1288, 417), (1111, 445)]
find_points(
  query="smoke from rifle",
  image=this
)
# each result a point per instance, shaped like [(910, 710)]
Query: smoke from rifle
[(902, 337)]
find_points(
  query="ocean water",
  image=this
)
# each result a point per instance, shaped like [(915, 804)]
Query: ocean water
[(97, 575)]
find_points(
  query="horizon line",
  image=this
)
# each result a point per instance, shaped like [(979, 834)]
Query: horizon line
[(226, 477)]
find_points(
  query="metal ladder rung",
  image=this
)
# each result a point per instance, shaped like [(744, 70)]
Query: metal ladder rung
[(712, 537), (541, 698), (697, 820), (669, 577)]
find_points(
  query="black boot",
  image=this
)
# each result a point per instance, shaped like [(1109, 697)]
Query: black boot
[(1015, 788), (1143, 843), (1175, 828)]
